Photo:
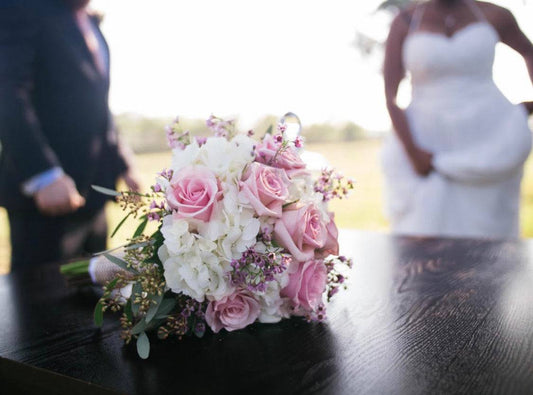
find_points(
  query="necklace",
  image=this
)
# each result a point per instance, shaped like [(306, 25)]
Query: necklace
[(449, 19), (449, 22)]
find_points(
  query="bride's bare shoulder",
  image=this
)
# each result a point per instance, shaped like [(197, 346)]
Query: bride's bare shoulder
[(500, 17), (402, 20), (495, 12)]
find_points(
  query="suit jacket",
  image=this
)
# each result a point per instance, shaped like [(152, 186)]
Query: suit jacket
[(53, 104)]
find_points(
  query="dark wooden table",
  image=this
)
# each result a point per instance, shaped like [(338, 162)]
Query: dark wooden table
[(420, 316)]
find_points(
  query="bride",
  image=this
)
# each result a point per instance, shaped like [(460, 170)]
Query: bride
[(454, 165)]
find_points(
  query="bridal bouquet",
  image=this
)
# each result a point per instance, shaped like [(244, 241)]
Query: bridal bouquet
[(243, 235)]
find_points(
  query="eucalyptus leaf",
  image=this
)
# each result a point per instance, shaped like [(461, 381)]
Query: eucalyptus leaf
[(105, 191), (140, 228), (165, 307), (110, 250), (154, 308), (99, 314), (143, 346), (120, 224), (121, 263), (139, 327), (138, 245), (128, 311), (136, 290), (111, 285)]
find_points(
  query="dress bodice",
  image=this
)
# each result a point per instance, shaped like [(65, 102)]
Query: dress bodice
[(465, 59)]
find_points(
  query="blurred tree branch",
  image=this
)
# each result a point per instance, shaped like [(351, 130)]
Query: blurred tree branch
[(367, 45)]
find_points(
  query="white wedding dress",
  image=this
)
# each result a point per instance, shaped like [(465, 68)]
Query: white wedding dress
[(479, 139)]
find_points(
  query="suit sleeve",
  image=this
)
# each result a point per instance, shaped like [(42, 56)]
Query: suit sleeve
[(23, 142), (120, 151)]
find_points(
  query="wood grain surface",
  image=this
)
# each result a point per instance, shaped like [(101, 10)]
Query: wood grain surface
[(420, 316)]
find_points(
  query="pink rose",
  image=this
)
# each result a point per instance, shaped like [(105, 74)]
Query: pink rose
[(306, 285), (268, 152), (265, 188), (194, 192), (301, 231), (331, 246), (232, 312)]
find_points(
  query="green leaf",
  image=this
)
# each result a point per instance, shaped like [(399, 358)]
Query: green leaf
[(269, 130), (79, 267), (289, 203), (120, 224), (121, 263), (139, 327), (158, 241), (99, 314), (136, 290), (138, 245), (152, 311), (143, 346), (127, 311), (110, 250), (105, 191), (166, 307), (111, 285), (140, 228)]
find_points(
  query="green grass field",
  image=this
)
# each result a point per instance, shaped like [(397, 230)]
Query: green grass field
[(363, 210)]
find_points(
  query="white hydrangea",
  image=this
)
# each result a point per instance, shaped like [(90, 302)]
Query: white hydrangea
[(227, 159), (185, 157), (273, 308), (241, 227), (176, 234), (198, 272), (301, 188)]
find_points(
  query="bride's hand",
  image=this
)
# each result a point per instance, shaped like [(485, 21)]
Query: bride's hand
[(421, 161), (529, 106)]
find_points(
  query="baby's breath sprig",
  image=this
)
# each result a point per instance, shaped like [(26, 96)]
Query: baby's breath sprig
[(254, 270), (188, 317), (176, 136), (335, 278), (332, 184), (282, 144), (221, 127)]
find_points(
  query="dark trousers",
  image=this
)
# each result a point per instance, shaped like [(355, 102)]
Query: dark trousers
[(37, 239)]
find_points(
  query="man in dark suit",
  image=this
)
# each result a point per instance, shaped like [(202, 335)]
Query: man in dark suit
[(56, 130)]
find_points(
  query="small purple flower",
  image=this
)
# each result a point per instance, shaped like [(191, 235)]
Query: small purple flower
[(254, 270), (201, 140), (153, 216)]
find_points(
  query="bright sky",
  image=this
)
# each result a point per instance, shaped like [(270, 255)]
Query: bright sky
[(251, 58)]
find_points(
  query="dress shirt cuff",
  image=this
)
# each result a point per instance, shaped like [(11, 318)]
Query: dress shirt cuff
[(92, 269), (41, 180)]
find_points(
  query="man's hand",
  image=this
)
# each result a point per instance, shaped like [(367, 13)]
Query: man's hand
[(59, 198)]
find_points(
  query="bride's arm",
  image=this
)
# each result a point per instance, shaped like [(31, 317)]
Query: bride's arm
[(511, 35), (394, 73)]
